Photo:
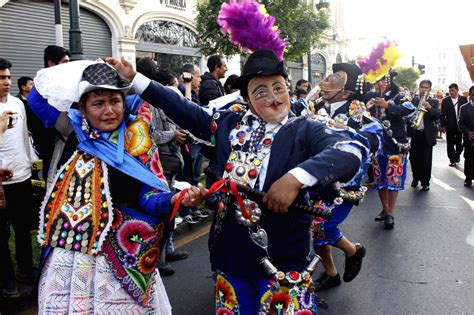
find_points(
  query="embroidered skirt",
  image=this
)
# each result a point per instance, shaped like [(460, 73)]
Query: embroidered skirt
[(77, 283), (390, 171), (327, 232)]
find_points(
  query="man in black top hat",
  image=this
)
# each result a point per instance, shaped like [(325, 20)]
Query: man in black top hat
[(269, 150)]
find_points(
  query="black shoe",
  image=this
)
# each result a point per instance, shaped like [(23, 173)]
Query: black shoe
[(452, 164), (165, 269), (458, 159), (381, 216), (414, 183), (354, 263), (326, 282), (425, 188), (467, 183), (389, 222), (177, 255)]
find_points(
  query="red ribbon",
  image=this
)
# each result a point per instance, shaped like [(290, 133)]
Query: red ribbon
[(245, 212), (178, 203), (222, 186)]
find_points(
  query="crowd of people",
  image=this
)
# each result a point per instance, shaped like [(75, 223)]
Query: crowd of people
[(123, 151)]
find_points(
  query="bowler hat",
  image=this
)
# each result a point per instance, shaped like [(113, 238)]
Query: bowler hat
[(262, 62), (102, 76)]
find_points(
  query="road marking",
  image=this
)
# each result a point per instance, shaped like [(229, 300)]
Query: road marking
[(442, 184), (470, 202), (457, 172), (203, 230), (470, 238)]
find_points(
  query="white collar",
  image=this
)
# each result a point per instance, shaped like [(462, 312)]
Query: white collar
[(335, 106), (249, 113)]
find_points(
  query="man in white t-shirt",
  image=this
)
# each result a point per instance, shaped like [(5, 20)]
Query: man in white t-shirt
[(14, 155)]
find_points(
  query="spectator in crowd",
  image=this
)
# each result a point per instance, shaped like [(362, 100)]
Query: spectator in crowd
[(168, 138), (302, 84), (423, 137), (450, 108), (191, 79), (229, 82), (55, 55), (211, 88), (25, 84), (50, 147), (14, 155), (466, 124), (300, 104)]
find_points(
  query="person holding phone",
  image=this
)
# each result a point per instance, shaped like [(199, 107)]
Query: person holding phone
[(15, 173)]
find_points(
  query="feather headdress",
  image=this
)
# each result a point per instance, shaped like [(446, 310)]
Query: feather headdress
[(380, 60), (250, 26)]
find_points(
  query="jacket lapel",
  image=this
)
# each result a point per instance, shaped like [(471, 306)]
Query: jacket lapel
[(281, 148)]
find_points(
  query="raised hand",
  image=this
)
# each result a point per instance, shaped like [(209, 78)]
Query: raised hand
[(123, 67)]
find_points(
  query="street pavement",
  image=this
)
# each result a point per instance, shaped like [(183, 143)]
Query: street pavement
[(424, 266)]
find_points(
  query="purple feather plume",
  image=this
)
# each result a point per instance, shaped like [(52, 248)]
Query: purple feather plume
[(249, 28), (370, 63)]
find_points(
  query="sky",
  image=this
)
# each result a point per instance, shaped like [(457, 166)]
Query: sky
[(416, 25)]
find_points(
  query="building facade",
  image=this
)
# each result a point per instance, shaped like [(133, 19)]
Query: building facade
[(163, 30)]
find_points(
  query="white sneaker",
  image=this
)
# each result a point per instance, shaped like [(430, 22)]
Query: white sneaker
[(189, 219), (178, 220), (201, 214)]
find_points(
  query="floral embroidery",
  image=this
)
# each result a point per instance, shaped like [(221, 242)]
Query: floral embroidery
[(144, 112), (155, 165), (132, 250), (226, 299), (118, 219), (224, 311), (306, 299), (133, 235), (130, 260), (137, 138), (148, 261)]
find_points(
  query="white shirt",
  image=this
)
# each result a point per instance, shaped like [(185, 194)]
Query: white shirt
[(15, 147), (335, 106), (140, 83), (456, 106)]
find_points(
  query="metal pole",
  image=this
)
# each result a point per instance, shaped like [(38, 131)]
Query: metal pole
[(310, 75), (75, 37), (57, 23)]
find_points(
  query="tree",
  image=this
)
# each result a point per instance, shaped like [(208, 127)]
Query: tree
[(407, 77), (301, 27)]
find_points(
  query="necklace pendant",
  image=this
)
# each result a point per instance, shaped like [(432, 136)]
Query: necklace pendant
[(260, 238)]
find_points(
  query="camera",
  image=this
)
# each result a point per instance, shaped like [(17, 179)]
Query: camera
[(12, 120), (189, 138), (187, 77)]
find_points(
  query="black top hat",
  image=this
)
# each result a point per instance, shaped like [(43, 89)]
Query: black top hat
[(353, 75), (262, 62), (102, 76)]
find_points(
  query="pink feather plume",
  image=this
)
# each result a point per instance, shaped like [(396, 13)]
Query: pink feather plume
[(249, 28)]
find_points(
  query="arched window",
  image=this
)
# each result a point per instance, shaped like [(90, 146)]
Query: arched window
[(318, 67), (168, 33)]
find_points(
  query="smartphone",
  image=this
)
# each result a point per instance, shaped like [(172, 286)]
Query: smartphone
[(12, 120), (187, 77)]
